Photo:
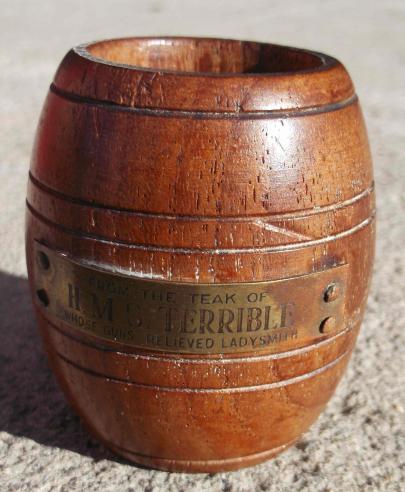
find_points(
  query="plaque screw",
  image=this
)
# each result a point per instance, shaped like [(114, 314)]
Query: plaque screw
[(43, 260), (331, 293), (43, 297), (328, 325)]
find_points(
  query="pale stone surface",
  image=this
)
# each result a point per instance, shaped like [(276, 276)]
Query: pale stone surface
[(358, 443)]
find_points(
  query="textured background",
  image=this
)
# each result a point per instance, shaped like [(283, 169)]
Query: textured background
[(358, 443)]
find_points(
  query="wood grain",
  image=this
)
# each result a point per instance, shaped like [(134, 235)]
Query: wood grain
[(202, 161)]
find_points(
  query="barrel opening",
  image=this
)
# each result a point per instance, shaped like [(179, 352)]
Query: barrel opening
[(199, 55)]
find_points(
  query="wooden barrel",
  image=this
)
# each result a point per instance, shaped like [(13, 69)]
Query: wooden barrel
[(200, 237)]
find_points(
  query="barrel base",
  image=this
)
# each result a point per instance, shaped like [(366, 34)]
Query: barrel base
[(198, 466)]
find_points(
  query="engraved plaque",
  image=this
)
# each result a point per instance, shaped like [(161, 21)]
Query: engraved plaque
[(195, 318)]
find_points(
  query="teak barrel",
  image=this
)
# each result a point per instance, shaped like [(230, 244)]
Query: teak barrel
[(200, 237)]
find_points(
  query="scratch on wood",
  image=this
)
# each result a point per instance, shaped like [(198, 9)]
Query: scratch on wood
[(281, 230)]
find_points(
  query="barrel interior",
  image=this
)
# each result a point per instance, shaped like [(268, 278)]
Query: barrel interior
[(216, 56)]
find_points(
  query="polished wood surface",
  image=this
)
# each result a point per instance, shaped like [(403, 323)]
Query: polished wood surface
[(202, 161)]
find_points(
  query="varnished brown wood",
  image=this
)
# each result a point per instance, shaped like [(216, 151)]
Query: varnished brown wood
[(202, 161)]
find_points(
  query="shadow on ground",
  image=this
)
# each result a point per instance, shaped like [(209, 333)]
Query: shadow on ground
[(31, 403)]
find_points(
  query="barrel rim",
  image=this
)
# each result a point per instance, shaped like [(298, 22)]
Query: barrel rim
[(84, 74), (324, 61)]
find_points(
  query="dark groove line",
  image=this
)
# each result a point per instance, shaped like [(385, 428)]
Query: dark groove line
[(177, 113), (221, 218), (204, 251), (238, 389)]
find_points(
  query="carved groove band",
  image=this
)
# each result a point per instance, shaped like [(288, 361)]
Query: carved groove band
[(206, 251), (176, 113), (241, 389), (205, 218), (211, 360)]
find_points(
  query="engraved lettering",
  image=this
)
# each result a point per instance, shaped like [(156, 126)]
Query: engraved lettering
[(206, 319), (230, 298), (169, 317), (104, 311), (132, 319), (253, 319), (74, 297), (286, 315), (226, 317), (240, 320), (188, 320), (189, 317), (267, 311)]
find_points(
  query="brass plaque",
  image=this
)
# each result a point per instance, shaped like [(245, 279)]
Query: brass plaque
[(192, 318)]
